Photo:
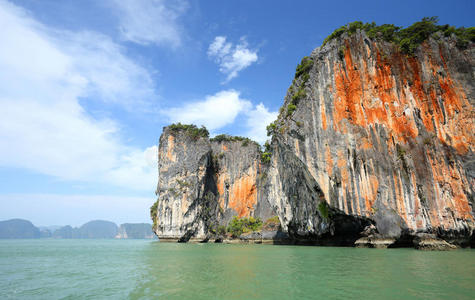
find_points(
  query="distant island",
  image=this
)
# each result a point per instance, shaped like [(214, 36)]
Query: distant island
[(97, 229), (135, 231), (19, 229)]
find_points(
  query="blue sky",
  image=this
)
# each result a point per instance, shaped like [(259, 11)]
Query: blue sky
[(86, 87)]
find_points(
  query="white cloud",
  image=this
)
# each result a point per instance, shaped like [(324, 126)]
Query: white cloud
[(221, 109), (219, 47), (150, 21), (75, 63), (109, 74), (137, 162), (257, 121), (214, 111), (231, 59), (43, 126)]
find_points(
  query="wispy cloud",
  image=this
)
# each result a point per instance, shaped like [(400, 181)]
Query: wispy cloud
[(44, 76), (150, 21), (230, 58), (108, 74)]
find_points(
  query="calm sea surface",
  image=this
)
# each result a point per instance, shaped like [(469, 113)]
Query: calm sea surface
[(143, 269)]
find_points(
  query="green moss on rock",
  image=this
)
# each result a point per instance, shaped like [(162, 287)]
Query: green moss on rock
[(323, 210)]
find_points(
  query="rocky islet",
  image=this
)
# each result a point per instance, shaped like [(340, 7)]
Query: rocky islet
[(373, 147)]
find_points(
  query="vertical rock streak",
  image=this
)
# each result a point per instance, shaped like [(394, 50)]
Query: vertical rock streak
[(395, 131), (203, 184), (374, 137)]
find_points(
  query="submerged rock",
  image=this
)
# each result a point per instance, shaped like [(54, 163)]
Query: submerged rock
[(426, 241), (376, 241)]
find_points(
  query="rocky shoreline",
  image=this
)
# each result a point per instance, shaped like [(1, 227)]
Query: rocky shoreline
[(421, 241)]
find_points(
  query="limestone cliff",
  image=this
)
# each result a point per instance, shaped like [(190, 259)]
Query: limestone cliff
[(389, 136), (371, 141), (239, 177), (203, 183)]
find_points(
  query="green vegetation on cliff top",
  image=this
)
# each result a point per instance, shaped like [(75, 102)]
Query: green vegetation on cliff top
[(408, 39), (191, 130), (228, 138), (195, 132)]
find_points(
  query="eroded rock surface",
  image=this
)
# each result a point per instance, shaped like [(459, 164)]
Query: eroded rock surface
[(367, 136), (203, 184), (388, 136)]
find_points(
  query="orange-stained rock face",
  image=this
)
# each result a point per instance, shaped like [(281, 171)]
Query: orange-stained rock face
[(237, 178), (242, 196), (368, 96), (323, 115), (387, 131), (170, 152)]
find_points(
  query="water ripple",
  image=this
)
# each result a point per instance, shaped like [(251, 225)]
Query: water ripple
[(141, 269)]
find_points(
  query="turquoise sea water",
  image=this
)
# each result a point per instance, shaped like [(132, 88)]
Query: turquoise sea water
[(143, 269)]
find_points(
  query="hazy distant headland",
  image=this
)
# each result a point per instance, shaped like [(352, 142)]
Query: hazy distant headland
[(97, 229)]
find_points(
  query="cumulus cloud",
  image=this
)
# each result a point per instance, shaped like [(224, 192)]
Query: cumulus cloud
[(221, 109), (150, 21), (257, 121), (44, 76), (230, 58), (137, 162), (214, 112)]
